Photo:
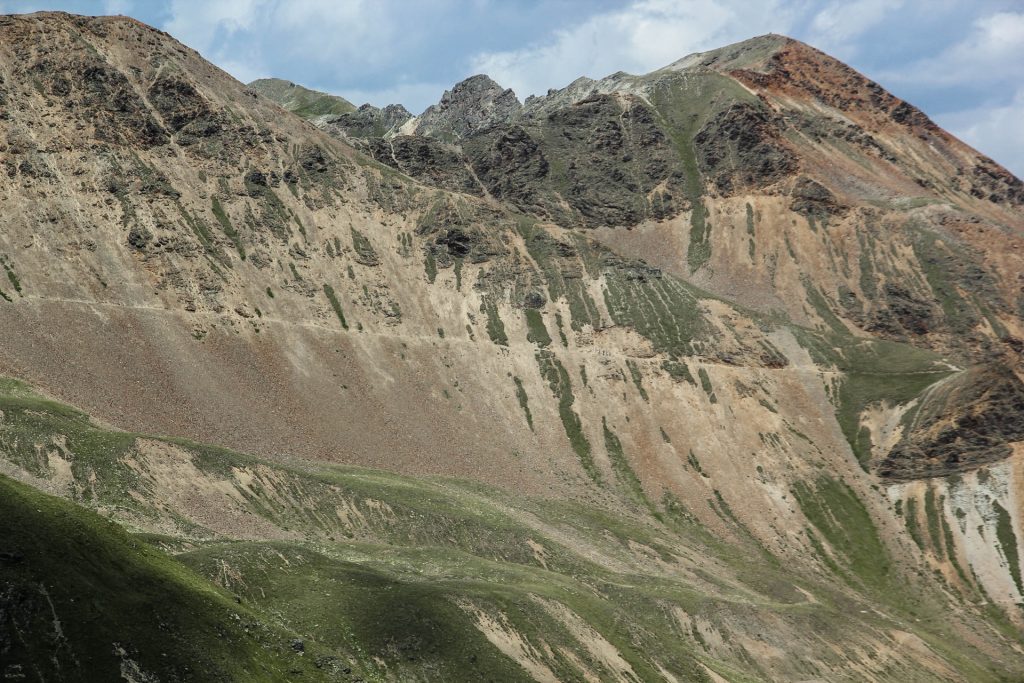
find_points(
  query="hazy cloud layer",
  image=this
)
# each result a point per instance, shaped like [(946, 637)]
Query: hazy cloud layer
[(962, 61)]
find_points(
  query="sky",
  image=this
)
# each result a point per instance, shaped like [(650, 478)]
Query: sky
[(961, 61)]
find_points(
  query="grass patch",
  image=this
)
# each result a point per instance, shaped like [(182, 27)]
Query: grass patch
[(229, 230), (623, 472), (550, 255), (396, 625), (12, 277), (638, 379), (380, 593), (202, 232), (873, 372), (857, 392), (841, 518), (336, 305), (678, 371), (659, 307), (524, 401), (561, 330), (430, 265), (913, 525), (552, 370), (947, 535), (495, 326), (695, 463), (705, 384), (365, 253), (932, 514), (685, 103), (82, 597), (536, 331), (1008, 542)]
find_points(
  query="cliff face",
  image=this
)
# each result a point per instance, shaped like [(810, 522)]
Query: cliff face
[(747, 306)]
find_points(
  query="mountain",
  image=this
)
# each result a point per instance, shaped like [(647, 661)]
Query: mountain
[(708, 374), (302, 101)]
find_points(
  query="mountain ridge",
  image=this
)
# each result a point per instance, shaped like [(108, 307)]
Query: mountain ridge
[(722, 321), (729, 58), (301, 100)]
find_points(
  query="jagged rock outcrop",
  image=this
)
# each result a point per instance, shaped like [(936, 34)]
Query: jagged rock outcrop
[(368, 122), (428, 160), (512, 166), (960, 425), (740, 150), (811, 198), (471, 106)]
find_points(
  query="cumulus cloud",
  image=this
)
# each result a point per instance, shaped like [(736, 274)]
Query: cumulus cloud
[(642, 36), (992, 51), (251, 37), (198, 23), (979, 81), (836, 27)]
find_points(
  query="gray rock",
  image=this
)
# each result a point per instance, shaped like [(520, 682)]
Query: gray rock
[(473, 105), (368, 122)]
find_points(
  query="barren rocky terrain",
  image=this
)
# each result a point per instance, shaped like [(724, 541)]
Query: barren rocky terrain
[(710, 374)]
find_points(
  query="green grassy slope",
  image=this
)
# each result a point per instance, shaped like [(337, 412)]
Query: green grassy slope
[(385, 577), (82, 600), (303, 101)]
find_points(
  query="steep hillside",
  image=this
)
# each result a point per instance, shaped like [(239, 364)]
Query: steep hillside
[(81, 600), (303, 101), (339, 573), (679, 368)]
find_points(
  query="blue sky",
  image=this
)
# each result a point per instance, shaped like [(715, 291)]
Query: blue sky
[(962, 61)]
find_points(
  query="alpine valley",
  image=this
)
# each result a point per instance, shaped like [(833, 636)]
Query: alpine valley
[(710, 374)]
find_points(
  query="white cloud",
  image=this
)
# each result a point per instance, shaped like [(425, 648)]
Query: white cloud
[(644, 35), (197, 23), (994, 130), (837, 25), (209, 28), (243, 36), (988, 63), (304, 40), (993, 51), (244, 70)]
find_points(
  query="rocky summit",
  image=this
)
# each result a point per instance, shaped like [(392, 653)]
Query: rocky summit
[(709, 374)]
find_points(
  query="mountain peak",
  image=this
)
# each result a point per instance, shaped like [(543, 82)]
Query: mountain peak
[(746, 54), (474, 83), (472, 104)]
